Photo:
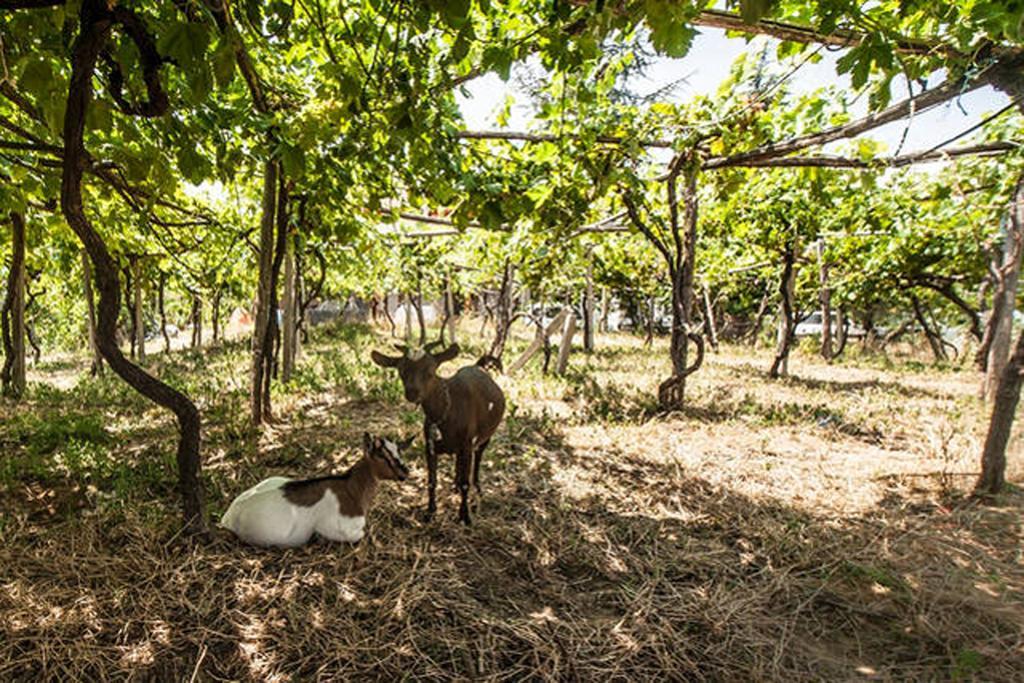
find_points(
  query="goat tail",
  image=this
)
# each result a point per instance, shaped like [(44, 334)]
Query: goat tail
[(487, 360)]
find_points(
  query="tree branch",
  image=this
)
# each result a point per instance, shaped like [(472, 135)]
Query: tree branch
[(835, 161), (805, 34), (917, 103), (548, 137), (29, 4)]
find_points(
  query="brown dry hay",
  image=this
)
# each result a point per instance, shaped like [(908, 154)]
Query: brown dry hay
[(733, 542)]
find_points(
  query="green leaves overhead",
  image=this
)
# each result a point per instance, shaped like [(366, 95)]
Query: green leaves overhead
[(362, 112), (669, 23)]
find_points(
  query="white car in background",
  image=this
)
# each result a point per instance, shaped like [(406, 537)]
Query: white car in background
[(812, 326)]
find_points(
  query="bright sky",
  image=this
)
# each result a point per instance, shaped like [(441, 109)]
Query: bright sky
[(707, 65)]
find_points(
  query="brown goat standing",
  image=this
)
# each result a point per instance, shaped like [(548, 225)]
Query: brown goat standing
[(461, 413)]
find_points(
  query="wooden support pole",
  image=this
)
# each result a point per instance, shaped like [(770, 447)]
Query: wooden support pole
[(568, 332), (709, 319), (538, 342)]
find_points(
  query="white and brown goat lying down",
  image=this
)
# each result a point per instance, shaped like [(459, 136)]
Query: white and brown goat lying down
[(287, 512), (460, 412)]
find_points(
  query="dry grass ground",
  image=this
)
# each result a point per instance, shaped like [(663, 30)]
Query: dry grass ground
[(814, 528)]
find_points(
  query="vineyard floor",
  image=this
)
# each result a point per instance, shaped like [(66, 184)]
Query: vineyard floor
[(813, 528)]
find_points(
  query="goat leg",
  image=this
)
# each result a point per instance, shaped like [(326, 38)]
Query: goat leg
[(478, 456), (463, 463), (431, 450)]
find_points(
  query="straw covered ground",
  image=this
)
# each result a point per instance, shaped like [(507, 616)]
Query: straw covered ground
[(814, 528)]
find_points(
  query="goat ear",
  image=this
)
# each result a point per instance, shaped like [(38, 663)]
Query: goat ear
[(446, 355), (367, 443), (405, 443), (382, 360)]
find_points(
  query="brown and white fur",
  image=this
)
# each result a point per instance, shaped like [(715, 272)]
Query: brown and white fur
[(461, 413), (286, 512)]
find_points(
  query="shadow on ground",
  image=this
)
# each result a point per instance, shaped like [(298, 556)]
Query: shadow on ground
[(578, 567)]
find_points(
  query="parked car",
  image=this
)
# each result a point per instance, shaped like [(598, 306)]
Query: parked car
[(813, 325)]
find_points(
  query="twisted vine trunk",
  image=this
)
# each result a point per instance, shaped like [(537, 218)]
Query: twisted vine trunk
[(1004, 407), (931, 335), (196, 317), (264, 296), (96, 23), (671, 392), (1005, 297), (503, 317), (12, 375), (680, 256)]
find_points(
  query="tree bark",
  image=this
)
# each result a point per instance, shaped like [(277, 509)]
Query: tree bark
[(138, 321), (787, 323), (1007, 395), (96, 21), (272, 332), (933, 338), (161, 305), (842, 332), (588, 305), (12, 375), (196, 317), (650, 320), (264, 293), (1006, 293), (825, 299), (762, 311), (311, 293), (289, 335), (503, 317), (129, 297), (215, 314), (90, 319), (605, 304), (419, 312)]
